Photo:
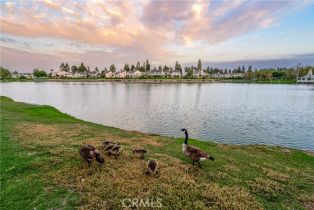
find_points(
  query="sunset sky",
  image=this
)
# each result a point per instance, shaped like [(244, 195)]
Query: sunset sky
[(224, 33)]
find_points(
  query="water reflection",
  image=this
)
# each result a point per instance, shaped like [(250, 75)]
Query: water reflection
[(226, 113)]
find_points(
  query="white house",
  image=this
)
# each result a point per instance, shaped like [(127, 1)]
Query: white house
[(80, 75), (93, 74), (175, 73), (121, 74), (110, 74), (15, 75), (156, 72), (136, 74), (61, 74)]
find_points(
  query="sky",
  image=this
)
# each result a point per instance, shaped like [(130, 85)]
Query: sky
[(42, 34)]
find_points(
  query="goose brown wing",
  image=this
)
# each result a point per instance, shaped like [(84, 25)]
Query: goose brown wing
[(197, 153)]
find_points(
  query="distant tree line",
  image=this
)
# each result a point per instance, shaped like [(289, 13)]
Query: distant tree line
[(188, 71)]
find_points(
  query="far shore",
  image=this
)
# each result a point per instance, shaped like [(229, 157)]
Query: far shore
[(158, 80)]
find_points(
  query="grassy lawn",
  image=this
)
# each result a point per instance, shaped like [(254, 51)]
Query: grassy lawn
[(41, 168)]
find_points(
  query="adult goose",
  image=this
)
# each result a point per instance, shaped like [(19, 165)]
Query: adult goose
[(89, 152), (193, 153)]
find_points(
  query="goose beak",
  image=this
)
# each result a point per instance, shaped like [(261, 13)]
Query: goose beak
[(183, 129)]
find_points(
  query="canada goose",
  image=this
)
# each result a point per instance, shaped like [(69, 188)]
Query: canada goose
[(115, 150), (194, 153), (141, 152), (88, 152), (152, 167)]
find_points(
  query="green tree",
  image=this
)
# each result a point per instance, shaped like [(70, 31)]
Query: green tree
[(132, 68), (138, 66), (165, 68), (5, 73), (62, 66), (74, 69), (103, 73), (199, 65), (243, 69), (178, 67), (66, 67), (189, 72), (82, 68), (112, 68), (39, 73), (147, 66), (126, 67)]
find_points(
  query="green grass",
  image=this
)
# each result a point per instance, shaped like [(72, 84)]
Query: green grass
[(41, 168), (21, 184), (274, 81)]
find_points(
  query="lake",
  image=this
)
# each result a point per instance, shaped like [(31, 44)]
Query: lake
[(223, 112)]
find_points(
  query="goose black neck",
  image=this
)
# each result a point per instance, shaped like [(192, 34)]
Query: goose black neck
[(186, 137)]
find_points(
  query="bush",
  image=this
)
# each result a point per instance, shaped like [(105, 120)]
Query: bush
[(5, 73)]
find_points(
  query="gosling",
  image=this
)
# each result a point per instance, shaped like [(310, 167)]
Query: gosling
[(115, 150), (88, 152), (141, 152), (105, 144), (152, 167)]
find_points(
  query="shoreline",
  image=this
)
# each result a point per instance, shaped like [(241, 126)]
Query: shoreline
[(162, 81)]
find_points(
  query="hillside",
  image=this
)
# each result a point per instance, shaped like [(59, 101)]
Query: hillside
[(41, 168)]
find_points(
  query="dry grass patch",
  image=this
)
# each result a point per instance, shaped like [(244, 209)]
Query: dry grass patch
[(267, 187), (307, 200), (178, 185), (230, 168), (229, 198), (275, 175), (34, 129)]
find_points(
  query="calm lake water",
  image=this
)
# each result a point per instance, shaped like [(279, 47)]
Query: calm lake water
[(226, 113)]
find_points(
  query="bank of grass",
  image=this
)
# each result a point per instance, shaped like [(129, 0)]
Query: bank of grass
[(274, 81), (41, 168)]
